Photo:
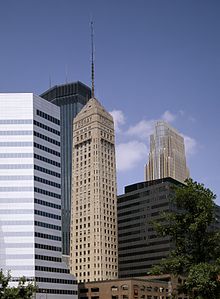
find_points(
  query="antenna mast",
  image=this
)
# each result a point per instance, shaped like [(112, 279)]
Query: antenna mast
[(93, 71), (50, 83)]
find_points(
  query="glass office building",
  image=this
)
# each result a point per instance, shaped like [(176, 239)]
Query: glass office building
[(167, 156), (70, 98)]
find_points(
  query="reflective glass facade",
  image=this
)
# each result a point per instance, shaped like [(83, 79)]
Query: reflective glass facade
[(70, 98), (167, 154)]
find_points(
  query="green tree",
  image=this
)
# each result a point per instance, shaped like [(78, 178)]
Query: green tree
[(24, 290), (196, 254)]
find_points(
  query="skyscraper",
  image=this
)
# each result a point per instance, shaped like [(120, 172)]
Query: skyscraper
[(30, 195), (167, 154), (139, 246), (94, 217), (70, 98)]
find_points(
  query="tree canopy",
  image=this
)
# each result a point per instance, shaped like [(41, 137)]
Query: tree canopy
[(24, 290), (196, 253)]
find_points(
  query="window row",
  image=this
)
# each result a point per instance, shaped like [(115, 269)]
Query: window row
[(48, 139), (48, 215), (16, 133), (45, 127), (48, 117), (47, 193), (57, 291), (48, 258), (51, 269), (47, 225), (47, 182), (15, 121), (55, 280), (46, 160), (46, 203), (83, 136), (46, 149), (46, 170), (46, 236)]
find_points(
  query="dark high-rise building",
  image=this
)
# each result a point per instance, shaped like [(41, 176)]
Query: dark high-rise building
[(139, 247), (70, 98)]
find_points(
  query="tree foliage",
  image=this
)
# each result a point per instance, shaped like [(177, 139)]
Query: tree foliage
[(197, 244), (24, 290)]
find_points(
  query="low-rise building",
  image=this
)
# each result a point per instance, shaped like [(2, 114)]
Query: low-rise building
[(150, 287)]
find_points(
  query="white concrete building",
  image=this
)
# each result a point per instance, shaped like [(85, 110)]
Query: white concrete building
[(30, 195)]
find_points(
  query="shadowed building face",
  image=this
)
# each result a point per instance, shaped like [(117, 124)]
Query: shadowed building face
[(70, 98)]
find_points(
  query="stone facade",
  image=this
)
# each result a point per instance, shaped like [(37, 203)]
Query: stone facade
[(93, 250)]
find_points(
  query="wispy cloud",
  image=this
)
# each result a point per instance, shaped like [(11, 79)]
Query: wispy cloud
[(129, 154), (133, 143), (168, 116), (190, 145), (145, 128), (142, 129), (119, 119)]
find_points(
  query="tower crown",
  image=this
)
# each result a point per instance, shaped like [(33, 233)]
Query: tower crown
[(94, 105)]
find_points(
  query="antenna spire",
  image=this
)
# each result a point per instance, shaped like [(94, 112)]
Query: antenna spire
[(92, 70), (50, 83), (66, 73)]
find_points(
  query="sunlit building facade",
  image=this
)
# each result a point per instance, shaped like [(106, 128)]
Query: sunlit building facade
[(167, 154), (93, 247), (30, 195)]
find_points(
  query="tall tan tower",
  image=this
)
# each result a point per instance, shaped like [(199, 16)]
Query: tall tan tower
[(93, 246), (167, 154)]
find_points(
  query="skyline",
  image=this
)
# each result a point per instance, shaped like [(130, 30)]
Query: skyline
[(153, 60)]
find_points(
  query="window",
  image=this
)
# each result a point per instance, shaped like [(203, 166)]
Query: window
[(95, 289), (83, 291)]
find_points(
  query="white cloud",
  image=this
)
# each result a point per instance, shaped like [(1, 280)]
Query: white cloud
[(136, 147), (129, 154), (190, 145), (142, 129), (168, 116), (145, 128), (119, 118)]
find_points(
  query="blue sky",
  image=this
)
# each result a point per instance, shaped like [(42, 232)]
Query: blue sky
[(153, 59)]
